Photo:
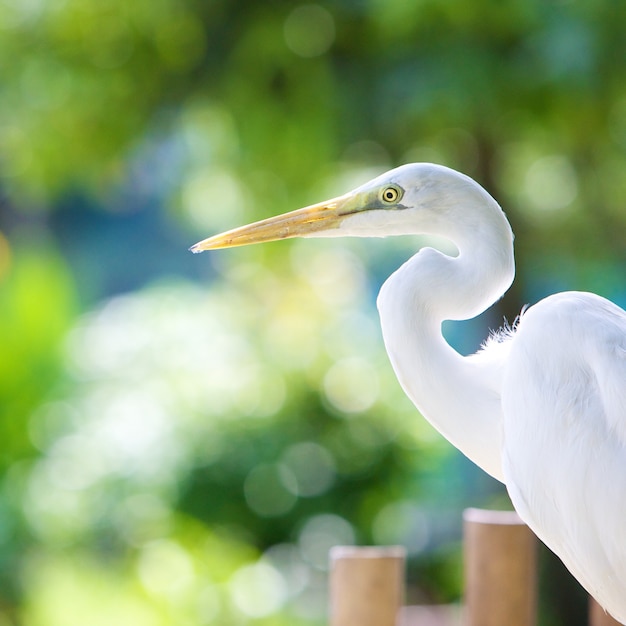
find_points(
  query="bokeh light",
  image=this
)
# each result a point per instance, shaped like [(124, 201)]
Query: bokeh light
[(270, 490), (351, 385), (258, 590), (165, 568), (550, 183), (319, 534), (312, 467), (309, 30)]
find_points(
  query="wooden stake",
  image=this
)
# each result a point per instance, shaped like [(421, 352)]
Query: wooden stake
[(366, 585), (500, 569), (598, 616)]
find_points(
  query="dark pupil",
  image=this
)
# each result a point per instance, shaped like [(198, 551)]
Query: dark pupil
[(389, 195)]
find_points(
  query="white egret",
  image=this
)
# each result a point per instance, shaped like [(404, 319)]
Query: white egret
[(541, 407)]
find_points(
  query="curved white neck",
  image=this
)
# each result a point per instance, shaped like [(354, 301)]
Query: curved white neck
[(458, 395)]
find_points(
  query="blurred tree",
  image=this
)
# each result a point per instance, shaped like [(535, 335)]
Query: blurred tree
[(167, 420), (37, 305)]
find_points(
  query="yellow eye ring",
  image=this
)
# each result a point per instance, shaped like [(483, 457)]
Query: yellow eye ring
[(390, 195)]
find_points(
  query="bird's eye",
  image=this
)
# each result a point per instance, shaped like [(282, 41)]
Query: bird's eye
[(390, 195)]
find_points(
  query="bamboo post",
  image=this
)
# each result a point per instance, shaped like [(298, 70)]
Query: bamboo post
[(598, 616), (500, 569), (366, 585)]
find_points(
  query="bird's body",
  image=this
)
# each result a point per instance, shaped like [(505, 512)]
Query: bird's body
[(564, 453), (543, 408)]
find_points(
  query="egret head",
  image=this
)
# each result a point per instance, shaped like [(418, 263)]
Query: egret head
[(412, 199)]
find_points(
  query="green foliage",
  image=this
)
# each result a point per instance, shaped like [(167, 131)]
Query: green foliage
[(185, 406), (36, 309), (186, 454)]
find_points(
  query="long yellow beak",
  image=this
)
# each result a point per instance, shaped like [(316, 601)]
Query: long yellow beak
[(300, 223)]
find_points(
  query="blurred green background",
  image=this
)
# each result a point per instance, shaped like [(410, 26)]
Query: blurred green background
[(183, 437)]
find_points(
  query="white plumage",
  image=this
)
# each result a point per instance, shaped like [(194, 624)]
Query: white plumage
[(543, 408)]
